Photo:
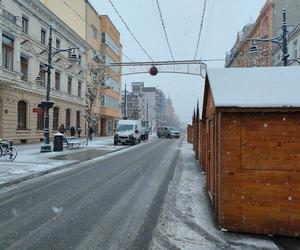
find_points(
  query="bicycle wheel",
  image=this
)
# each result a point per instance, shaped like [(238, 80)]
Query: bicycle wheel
[(11, 153)]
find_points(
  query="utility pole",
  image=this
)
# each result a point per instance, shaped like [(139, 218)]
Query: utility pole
[(284, 39), (125, 103), (46, 147), (280, 40), (147, 114)]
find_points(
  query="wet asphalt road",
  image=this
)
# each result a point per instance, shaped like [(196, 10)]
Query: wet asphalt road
[(113, 203)]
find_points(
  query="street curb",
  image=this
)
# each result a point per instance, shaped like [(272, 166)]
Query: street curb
[(48, 171)]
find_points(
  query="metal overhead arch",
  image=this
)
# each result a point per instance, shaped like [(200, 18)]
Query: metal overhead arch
[(190, 67)]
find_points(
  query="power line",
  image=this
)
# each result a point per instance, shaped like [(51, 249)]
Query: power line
[(83, 19), (164, 28), (200, 30), (127, 57), (123, 21), (200, 61)]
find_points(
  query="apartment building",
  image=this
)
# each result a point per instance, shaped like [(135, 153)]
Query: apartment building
[(104, 39), (267, 25), (111, 50), (147, 104), (24, 31)]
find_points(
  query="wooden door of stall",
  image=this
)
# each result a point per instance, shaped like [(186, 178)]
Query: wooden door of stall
[(211, 160)]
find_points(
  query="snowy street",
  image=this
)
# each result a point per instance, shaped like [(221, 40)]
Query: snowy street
[(150, 196)]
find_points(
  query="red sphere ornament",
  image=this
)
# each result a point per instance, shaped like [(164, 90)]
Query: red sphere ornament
[(153, 71)]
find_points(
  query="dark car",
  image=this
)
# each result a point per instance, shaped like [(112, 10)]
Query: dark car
[(145, 134)]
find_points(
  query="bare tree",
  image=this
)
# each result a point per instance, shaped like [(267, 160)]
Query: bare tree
[(99, 74)]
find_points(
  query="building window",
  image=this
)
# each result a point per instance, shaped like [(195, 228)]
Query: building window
[(79, 88), (42, 75), (78, 119), (24, 68), (295, 49), (103, 37), (102, 100), (68, 118), (22, 114), (79, 60), (40, 120), (57, 81), (43, 36), (7, 52), (57, 43), (25, 24), (94, 31), (70, 85), (55, 118)]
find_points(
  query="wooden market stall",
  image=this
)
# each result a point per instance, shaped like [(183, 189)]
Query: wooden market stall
[(252, 148)]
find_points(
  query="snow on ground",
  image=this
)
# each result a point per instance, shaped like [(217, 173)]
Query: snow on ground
[(30, 162), (187, 222)]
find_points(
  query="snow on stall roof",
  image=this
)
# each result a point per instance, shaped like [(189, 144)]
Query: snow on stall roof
[(255, 87)]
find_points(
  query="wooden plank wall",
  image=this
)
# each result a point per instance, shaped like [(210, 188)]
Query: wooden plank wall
[(259, 188), (189, 133), (203, 145)]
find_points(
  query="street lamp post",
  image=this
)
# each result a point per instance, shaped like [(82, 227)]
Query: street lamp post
[(280, 40), (47, 104)]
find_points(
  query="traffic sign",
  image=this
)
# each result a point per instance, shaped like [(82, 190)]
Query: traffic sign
[(38, 110)]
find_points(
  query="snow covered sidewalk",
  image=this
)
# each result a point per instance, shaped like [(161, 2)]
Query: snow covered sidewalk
[(31, 163), (187, 222)]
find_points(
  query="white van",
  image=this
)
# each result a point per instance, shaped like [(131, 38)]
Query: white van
[(128, 131)]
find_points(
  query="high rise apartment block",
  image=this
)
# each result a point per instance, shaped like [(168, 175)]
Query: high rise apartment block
[(149, 105)]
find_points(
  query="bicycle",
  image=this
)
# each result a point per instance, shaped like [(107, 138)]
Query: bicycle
[(7, 150)]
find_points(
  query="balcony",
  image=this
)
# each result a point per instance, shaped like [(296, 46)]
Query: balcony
[(109, 112)]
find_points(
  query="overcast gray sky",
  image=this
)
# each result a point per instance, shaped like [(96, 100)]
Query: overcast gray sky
[(223, 19)]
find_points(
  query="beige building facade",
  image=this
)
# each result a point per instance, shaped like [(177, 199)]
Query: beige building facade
[(103, 37), (24, 32)]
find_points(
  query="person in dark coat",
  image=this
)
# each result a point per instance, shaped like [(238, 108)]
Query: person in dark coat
[(61, 129), (79, 131), (72, 131), (91, 132)]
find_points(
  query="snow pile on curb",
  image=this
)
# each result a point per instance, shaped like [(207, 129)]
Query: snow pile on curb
[(187, 222)]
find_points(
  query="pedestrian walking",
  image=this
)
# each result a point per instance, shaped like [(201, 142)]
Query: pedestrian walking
[(61, 129), (91, 132), (79, 131), (72, 131)]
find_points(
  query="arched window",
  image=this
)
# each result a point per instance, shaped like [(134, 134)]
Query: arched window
[(22, 115), (78, 119), (68, 118), (40, 120), (55, 118)]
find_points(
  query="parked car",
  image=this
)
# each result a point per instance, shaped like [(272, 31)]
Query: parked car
[(174, 133), (163, 132), (168, 132), (145, 133), (128, 132)]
